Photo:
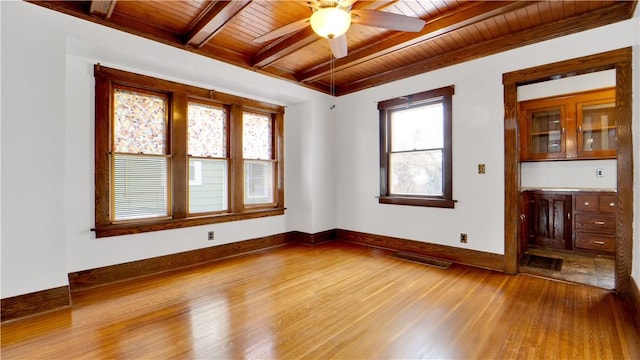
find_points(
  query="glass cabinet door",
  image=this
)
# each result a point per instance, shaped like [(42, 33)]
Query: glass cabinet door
[(597, 128), (546, 133)]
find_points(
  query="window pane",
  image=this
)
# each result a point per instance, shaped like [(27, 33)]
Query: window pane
[(416, 173), (207, 185), (258, 182), (140, 185), (207, 130), (256, 136), (420, 128), (140, 123)]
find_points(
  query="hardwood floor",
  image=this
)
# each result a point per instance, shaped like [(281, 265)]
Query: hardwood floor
[(333, 300)]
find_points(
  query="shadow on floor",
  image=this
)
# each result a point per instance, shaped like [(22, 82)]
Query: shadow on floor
[(580, 268)]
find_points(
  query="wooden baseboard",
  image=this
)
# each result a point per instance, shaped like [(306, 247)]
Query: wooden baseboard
[(37, 302), (29, 304), (312, 239), (458, 255), (87, 279)]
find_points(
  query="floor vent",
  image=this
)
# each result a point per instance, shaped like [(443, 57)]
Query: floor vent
[(541, 262), (441, 264)]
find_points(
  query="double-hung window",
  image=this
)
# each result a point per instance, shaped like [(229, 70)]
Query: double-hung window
[(140, 161), (170, 155), (259, 164), (415, 149), (208, 158)]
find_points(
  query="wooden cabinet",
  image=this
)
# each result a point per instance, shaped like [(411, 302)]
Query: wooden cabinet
[(574, 126), (523, 231), (595, 222), (568, 220), (549, 222)]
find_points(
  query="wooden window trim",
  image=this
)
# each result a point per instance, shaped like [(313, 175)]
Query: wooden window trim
[(384, 107), (179, 95)]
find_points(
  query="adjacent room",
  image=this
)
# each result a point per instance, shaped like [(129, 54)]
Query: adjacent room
[(320, 179)]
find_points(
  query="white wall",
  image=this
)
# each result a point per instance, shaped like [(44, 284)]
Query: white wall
[(47, 147), (570, 174), (597, 80), (478, 116)]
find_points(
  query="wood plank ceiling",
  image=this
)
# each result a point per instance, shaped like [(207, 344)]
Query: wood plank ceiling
[(455, 31)]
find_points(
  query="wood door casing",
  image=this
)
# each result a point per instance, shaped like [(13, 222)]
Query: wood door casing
[(620, 60)]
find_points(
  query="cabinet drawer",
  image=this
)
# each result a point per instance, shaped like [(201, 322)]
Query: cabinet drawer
[(601, 223), (608, 203), (587, 203), (591, 241)]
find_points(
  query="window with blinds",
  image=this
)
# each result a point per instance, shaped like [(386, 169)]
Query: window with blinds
[(140, 164), (171, 155)]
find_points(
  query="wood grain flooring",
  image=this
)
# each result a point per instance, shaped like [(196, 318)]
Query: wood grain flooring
[(333, 300)]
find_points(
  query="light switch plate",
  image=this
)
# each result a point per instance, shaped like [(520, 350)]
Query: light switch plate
[(481, 168)]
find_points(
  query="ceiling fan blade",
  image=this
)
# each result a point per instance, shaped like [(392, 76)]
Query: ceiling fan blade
[(287, 29), (387, 20), (345, 4), (339, 46)]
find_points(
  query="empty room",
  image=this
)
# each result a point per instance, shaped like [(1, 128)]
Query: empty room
[(320, 179)]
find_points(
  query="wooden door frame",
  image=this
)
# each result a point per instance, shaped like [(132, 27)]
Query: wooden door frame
[(620, 60)]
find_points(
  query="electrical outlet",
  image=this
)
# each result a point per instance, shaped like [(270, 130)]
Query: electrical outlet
[(481, 168), (210, 235), (463, 238)]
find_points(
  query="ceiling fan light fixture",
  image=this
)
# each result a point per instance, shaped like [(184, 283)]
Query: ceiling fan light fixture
[(330, 22)]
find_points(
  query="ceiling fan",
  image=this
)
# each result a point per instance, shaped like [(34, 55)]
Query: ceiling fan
[(331, 19)]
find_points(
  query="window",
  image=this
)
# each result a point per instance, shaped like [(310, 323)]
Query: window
[(415, 149), (257, 152), (208, 159), (139, 160), (170, 155)]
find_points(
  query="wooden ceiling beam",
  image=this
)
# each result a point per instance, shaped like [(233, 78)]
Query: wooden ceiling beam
[(213, 19), (102, 8), (471, 14), (289, 44), (604, 16)]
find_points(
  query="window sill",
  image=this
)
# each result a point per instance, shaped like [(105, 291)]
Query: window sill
[(166, 224), (417, 201)]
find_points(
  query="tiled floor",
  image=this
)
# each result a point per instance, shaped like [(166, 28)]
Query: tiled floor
[(580, 268)]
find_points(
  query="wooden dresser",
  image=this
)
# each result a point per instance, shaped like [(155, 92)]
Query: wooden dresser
[(595, 221)]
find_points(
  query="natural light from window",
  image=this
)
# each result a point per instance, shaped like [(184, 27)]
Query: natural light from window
[(415, 161)]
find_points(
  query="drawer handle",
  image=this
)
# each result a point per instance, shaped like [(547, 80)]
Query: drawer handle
[(599, 242), (599, 222), (586, 203), (612, 204)]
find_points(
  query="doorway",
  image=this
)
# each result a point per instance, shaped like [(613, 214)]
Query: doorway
[(620, 61)]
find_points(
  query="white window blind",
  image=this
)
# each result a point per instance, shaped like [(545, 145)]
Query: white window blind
[(140, 186), (258, 182)]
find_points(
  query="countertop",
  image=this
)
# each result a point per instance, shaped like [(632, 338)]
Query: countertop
[(565, 189)]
